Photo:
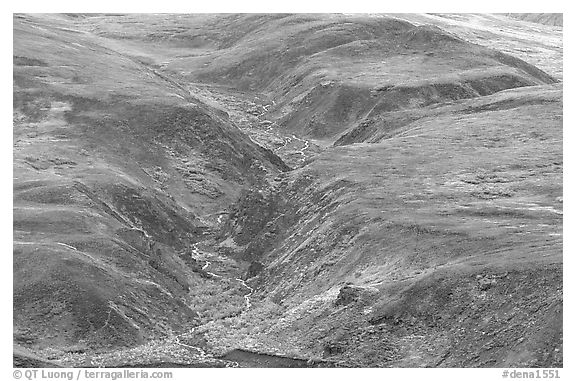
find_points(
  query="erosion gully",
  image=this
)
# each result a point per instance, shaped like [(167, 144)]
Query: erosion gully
[(241, 357)]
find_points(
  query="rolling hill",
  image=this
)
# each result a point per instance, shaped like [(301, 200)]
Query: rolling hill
[(321, 73), (298, 190), (117, 172)]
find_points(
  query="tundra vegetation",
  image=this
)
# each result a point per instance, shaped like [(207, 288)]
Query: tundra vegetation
[(287, 190)]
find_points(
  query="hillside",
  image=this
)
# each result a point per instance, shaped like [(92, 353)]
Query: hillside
[(554, 19), (117, 172), (539, 45), (287, 190), (321, 73), (444, 242)]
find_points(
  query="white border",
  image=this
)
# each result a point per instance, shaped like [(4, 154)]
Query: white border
[(300, 6)]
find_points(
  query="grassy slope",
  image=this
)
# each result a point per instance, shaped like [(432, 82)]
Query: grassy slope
[(378, 126), (458, 206), (552, 19), (539, 45), (326, 73), (452, 231), (117, 170), (321, 74)]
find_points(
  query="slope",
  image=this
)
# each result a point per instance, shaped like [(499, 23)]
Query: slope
[(539, 45), (440, 246), (553, 19), (118, 170), (431, 235), (318, 75)]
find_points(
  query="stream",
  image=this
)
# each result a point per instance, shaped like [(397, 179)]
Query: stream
[(196, 253), (249, 359)]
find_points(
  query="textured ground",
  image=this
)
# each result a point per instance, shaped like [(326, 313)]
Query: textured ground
[(351, 190)]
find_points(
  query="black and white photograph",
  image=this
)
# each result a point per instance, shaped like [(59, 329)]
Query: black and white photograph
[(286, 190)]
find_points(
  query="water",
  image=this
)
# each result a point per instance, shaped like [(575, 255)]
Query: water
[(249, 359)]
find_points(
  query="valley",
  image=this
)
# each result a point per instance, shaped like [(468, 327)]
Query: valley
[(197, 190)]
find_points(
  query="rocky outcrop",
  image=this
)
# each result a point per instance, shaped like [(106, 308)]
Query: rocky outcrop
[(350, 293)]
